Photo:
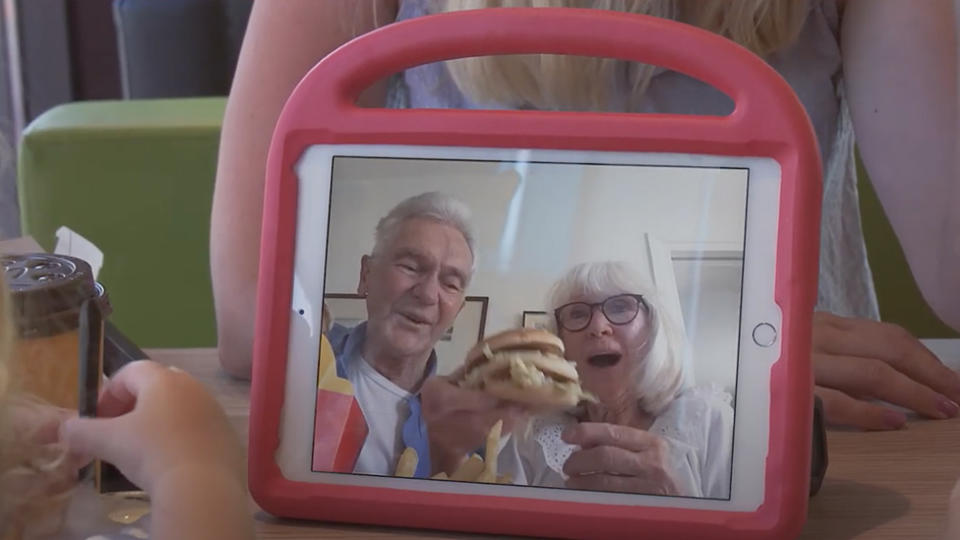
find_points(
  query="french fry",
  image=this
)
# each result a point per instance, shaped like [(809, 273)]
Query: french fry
[(469, 470), (528, 430), (474, 468), (492, 453), (407, 464)]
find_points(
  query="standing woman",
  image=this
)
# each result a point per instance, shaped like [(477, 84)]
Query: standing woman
[(886, 69)]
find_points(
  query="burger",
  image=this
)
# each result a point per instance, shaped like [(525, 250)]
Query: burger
[(524, 366)]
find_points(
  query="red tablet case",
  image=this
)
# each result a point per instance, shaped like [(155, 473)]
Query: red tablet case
[(768, 121)]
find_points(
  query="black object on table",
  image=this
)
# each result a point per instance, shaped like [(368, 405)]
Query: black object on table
[(819, 461), (117, 352)]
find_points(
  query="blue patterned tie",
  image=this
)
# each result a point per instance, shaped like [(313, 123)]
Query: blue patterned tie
[(415, 436)]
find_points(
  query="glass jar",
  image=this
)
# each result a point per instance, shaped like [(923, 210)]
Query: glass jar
[(48, 295)]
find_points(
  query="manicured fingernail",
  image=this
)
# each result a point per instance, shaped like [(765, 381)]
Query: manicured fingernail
[(894, 419), (948, 408)]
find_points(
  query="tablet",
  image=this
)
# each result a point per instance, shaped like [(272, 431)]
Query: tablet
[(674, 259)]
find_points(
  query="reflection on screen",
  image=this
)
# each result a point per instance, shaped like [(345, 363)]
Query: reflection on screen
[(632, 274)]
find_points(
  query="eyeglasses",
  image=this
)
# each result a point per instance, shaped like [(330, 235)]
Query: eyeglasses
[(619, 310)]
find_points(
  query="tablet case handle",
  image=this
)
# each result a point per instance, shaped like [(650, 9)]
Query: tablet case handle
[(758, 92)]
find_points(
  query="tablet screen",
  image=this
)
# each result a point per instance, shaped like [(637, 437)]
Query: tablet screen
[(635, 270)]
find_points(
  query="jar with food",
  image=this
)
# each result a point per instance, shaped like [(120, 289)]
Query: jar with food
[(49, 293)]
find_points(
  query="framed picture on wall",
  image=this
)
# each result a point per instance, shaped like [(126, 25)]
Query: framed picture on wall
[(350, 310), (536, 319), (347, 310)]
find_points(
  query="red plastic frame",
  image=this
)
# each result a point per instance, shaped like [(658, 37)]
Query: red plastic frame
[(768, 120)]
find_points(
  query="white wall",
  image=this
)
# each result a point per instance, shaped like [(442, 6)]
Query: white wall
[(710, 296), (534, 222)]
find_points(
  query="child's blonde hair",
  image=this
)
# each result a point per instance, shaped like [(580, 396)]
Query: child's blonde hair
[(35, 475), (563, 82)]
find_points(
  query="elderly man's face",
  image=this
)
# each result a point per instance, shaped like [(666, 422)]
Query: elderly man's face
[(415, 287)]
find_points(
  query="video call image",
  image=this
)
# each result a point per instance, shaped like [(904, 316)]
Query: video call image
[(557, 325)]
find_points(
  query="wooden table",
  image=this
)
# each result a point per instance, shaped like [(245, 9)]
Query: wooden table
[(879, 485)]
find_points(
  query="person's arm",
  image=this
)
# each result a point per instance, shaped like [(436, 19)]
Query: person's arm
[(282, 42), (900, 67), (184, 501)]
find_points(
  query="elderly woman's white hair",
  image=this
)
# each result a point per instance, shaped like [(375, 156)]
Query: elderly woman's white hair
[(663, 374), (433, 205)]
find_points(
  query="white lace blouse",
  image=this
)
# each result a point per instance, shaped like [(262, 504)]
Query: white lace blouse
[(698, 429)]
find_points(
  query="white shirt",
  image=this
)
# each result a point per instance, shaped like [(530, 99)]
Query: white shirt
[(384, 405), (698, 429)]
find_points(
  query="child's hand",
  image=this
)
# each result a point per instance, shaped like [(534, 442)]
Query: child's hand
[(153, 420)]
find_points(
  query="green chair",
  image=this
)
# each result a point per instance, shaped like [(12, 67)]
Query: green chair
[(135, 178)]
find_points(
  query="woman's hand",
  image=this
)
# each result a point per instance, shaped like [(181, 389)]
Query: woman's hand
[(856, 360), (459, 419), (617, 458)]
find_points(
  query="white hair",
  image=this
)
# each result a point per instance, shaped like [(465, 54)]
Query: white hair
[(434, 205), (663, 374)]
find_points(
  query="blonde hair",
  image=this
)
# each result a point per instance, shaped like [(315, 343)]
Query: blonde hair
[(564, 82), (36, 479), (663, 375)]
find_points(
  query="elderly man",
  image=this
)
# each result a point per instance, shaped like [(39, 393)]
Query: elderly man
[(414, 282)]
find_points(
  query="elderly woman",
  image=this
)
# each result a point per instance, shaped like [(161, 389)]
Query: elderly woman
[(650, 431)]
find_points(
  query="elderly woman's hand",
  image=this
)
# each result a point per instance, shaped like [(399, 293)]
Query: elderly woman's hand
[(858, 360), (459, 419), (617, 458)]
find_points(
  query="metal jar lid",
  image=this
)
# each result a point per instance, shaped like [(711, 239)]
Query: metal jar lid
[(48, 290)]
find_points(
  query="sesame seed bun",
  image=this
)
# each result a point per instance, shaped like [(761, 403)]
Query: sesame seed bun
[(517, 339)]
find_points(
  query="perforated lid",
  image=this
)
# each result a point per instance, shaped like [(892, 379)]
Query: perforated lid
[(48, 290)]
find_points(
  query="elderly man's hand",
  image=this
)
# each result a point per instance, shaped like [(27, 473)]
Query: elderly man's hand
[(856, 360), (459, 419), (617, 458)]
